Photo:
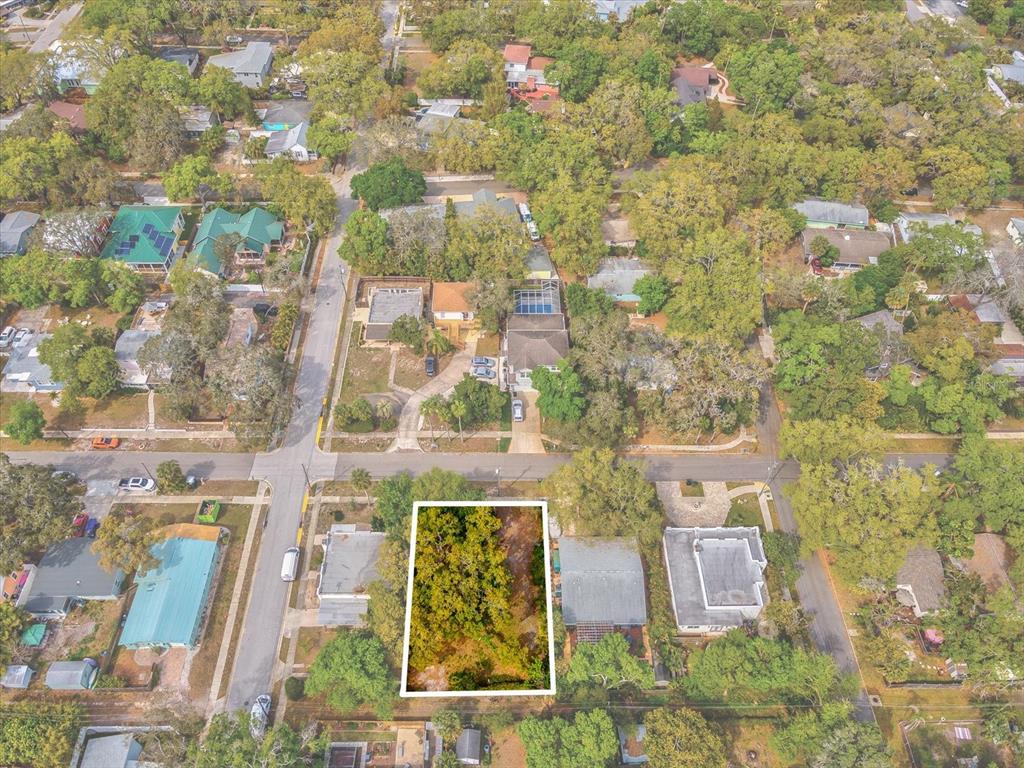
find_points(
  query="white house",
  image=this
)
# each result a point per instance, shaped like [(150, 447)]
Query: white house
[(716, 577), (291, 143), (1015, 229)]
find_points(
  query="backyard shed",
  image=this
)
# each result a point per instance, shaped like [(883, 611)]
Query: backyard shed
[(17, 676), (72, 675)]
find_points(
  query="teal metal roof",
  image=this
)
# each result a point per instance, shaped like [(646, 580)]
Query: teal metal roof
[(257, 228), (143, 234), (169, 599)]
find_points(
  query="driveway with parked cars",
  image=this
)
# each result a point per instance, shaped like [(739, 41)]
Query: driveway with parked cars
[(526, 434)]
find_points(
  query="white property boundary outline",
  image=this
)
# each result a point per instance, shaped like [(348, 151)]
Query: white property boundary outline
[(549, 691)]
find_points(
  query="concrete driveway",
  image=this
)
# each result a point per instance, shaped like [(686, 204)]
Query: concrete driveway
[(526, 434), (409, 418)]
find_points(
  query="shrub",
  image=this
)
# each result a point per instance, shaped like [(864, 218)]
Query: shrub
[(294, 688)]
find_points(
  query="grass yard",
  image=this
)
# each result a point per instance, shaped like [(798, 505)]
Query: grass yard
[(117, 411), (349, 512), (745, 511), (469, 445), (360, 444), (696, 489), (488, 345), (234, 517), (935, 444), (366, 369), (309, 642), (409, 371), (168, 514)]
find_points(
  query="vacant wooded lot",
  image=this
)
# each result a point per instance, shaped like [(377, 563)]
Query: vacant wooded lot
[(478, 609)]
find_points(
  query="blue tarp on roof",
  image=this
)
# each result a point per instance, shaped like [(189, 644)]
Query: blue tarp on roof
[(169, 599)]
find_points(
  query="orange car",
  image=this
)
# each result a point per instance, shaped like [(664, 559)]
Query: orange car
[(105, 443)]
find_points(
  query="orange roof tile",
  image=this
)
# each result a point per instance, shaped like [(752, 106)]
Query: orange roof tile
[(517, 54), (451, 297)]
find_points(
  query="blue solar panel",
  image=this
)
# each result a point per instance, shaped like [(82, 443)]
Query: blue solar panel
[(147, 228)]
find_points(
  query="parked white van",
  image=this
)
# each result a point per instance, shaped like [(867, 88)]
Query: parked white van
[(290, 566)]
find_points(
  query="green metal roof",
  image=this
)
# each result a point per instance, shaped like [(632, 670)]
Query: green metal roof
[(170, 598), (143, 234), (33, 635), (258, 227)]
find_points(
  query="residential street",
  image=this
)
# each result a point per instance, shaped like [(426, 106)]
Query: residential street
[(55, 28)]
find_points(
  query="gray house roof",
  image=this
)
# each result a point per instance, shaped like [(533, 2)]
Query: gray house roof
[(833, 212), (187, 57), (1014, 71), (884, 318), (69, 569), (602, 581), (467, 747), (198, 119), (117, 750), (486, 197), (289, 112), (536, 340), (617, 277), (126, 350), (855, 246), (715, 575), (24, 372), (389, 304), (539, 260), (909, 223), (71, 675), (14, 227), (350, 560), (285, 141), (254, 58), (922, 577)]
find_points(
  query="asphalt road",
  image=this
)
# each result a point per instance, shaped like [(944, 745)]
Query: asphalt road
[(55, 28)]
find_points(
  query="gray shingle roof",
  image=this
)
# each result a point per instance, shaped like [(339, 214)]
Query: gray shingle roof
[(922, 573), (486, 197), (855, 246), (69, 569), (618, 276), (289, 111), (467, 747), (833, 212), (113, 751), (254, 58), (536, 340), (13, 227), (285, 141), (715, 575), (884, 318), (602, 581)]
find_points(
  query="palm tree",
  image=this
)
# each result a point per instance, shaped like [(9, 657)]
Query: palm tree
[(361, 481), (458, 410), (384, 410), (430, 408), (437, 343)]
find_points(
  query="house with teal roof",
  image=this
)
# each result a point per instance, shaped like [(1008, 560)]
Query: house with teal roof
[(145, 237), (170, 599), (257, 232)]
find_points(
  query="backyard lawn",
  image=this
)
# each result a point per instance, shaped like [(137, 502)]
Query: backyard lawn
[(366, 369)]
